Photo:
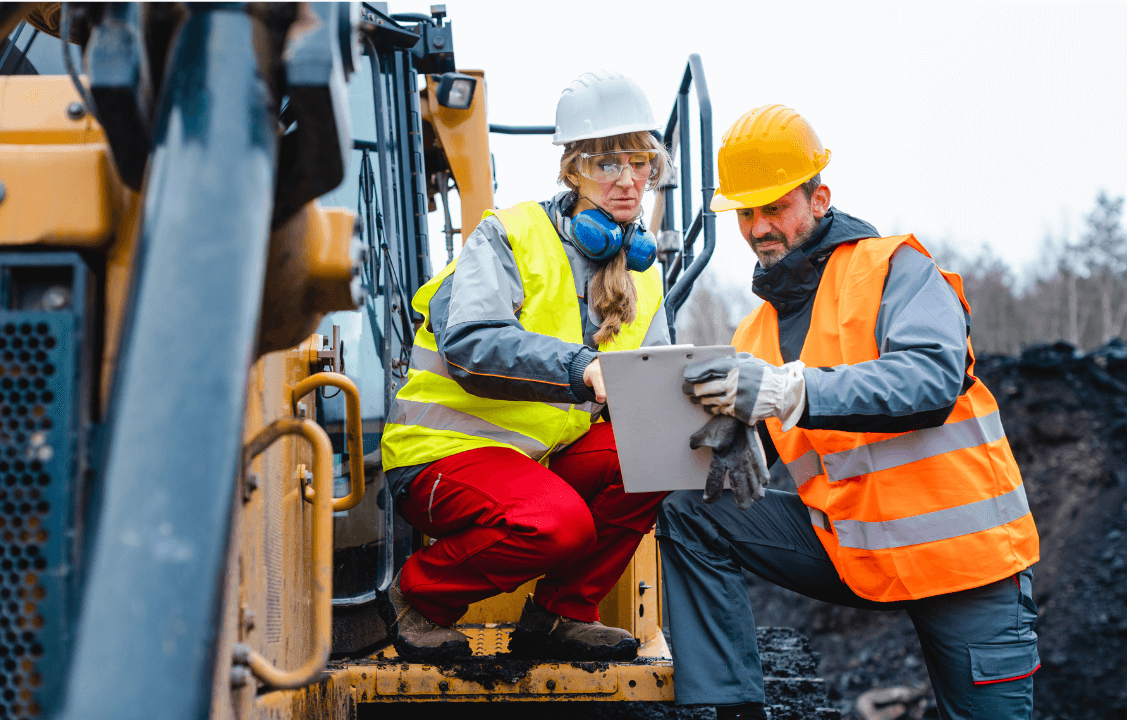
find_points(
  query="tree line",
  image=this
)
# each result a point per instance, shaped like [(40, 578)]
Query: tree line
[(1077, 294)]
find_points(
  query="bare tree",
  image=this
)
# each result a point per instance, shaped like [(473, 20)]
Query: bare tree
[(998, 321), (1103, 250)]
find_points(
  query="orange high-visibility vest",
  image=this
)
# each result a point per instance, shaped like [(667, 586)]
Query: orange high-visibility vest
[(902, 515)]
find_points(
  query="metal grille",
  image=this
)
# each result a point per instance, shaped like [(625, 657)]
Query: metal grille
[(34, 474)]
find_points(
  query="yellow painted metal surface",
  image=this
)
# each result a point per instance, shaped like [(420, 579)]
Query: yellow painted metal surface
[(384, 678), (464, 138), (61, 190), (309, 272), (33, 111), (270, 606), (330, 698), (119, 269), (321, 547), (59, 195), (627, 606), (634, 603), (503, 608)]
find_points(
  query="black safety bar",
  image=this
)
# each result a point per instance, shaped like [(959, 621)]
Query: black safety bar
[(704, 220), (522, 129)]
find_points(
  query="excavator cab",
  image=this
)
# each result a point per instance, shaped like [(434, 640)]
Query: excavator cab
[(212, 222)]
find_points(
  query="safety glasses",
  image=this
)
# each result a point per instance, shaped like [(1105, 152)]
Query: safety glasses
[(608, 166)]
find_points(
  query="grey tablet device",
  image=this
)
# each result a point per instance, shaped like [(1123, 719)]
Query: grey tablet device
[(653, 419)]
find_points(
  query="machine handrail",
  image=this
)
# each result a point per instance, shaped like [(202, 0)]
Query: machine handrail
[(321, 532), (353, 428), (705, 219)]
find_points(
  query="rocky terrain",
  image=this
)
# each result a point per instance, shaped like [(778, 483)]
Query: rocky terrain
[(1065, 415)]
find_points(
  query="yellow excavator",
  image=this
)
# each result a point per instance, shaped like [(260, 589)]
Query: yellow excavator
[(212, 220)]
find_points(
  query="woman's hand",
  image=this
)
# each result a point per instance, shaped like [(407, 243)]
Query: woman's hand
[(593, 378)]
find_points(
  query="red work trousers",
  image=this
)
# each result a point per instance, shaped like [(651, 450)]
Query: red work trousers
[(502, 519)]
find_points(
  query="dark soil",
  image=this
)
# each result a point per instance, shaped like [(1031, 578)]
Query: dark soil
[(1066, 419)]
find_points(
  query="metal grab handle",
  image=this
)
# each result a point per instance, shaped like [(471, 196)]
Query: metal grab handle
[(322, 536), (353, 427)]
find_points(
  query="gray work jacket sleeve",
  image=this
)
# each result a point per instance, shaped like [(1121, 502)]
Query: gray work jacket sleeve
[(921, 335), (658, 331), (475, 320)]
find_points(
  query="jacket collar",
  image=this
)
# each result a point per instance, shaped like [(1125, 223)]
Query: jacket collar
[(794, 279), (558, 208)]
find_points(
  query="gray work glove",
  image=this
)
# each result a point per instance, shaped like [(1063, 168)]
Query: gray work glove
[(748, 388), (737, 453)]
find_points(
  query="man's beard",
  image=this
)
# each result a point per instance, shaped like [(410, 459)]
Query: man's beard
[(769, 261)]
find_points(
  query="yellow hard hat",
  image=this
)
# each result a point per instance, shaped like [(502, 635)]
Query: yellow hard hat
[(768, 152)]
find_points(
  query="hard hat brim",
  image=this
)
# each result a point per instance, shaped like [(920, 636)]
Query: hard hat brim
[(560, 139), (759, 198)]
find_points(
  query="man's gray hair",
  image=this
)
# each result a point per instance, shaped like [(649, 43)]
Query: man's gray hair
[(811, 185)]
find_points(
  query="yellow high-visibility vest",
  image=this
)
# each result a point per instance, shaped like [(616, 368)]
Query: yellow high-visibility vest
[(433, 417)]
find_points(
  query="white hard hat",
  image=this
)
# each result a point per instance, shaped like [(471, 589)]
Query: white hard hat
[(601, 104)]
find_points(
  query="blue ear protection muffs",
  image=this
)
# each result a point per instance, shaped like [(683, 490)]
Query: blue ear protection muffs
[(599, 237)]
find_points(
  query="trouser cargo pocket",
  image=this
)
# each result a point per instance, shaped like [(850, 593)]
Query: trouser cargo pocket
[(1003, 680), (999, 663)]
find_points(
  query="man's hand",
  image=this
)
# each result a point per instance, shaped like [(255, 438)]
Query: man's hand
[(737, 453), (748, 388), (593, 378)]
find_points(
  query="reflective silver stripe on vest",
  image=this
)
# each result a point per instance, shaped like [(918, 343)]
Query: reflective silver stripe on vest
[(913, 446), (439, 417), (939, 525), (808, 465), (819, 519), (430, 361)]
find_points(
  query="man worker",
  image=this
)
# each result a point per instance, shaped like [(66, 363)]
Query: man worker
[(895, 487)]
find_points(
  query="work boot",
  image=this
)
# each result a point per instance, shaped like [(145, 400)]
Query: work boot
[(416, 638), (541, 634)]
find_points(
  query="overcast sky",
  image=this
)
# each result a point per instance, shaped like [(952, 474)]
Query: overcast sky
[(964, 124)]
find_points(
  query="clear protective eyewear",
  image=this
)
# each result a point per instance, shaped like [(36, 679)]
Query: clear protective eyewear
[(608, 166)]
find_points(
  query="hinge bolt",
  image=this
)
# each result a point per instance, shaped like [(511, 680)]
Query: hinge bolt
[(76, 111), (240, 676)]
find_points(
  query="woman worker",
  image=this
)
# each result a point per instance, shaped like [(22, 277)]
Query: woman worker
[(490, 447)]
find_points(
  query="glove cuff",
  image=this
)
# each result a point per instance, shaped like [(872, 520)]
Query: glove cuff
[(794, 395), (783, 394)]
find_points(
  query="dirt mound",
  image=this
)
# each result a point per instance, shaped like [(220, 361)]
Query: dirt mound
[(1065, 415)]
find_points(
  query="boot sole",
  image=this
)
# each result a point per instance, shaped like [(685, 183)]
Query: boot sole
[(529, 645), (446, 652)]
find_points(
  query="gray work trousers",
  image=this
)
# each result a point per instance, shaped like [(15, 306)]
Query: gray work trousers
[(979, 644)]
